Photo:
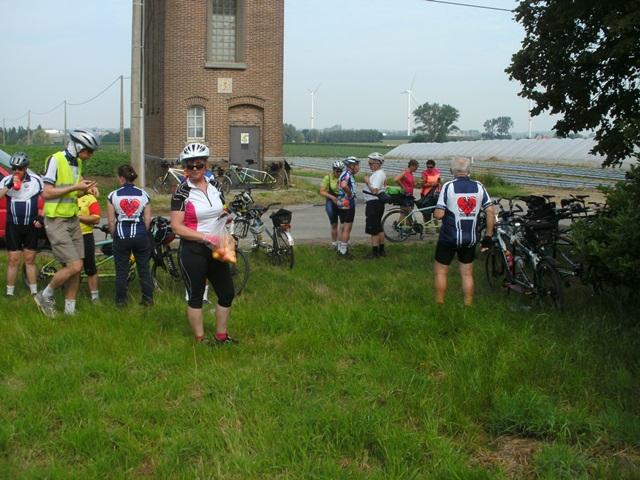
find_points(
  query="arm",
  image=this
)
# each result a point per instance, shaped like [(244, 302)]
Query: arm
[(111, 218), (146, 215), (51, 191), (3, 192), (347, 189), (438, 213), (400, 177), (491, 220), (89, 219)]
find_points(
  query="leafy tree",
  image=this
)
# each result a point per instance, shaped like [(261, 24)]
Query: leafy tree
[(289, 133), (437, 121), (114, 137), (498, 128), (312, 136), (581, 60)]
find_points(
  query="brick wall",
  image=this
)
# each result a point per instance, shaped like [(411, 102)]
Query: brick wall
[(176, 77)]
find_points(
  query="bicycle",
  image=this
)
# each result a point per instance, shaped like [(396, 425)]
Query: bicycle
[(400, 223), (167, 182), (239, 176), (249, 219), (47, 265), (165, 271), (514, 264)]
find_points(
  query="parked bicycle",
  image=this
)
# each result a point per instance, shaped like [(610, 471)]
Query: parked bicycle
[(165, 270), (248, 219), (47, 265), (514, 262), (404, 221), (240, 176), (169, 180)]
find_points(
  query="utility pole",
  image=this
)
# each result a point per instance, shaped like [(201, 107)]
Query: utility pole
[(121, 114), (29, 128), (137, 101), (4, 130)]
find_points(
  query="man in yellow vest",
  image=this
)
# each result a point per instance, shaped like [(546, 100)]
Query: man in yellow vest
[(62, 182)]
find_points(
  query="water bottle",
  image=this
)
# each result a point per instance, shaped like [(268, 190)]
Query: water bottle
[(518, 262), (17, 183), (509, 256)]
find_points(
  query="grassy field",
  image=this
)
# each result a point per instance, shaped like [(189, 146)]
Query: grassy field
[(345, 370)]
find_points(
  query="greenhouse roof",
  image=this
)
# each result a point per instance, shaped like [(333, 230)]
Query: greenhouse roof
[(549, 150)]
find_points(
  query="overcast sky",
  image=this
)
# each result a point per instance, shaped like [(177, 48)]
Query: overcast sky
[(357, 55)]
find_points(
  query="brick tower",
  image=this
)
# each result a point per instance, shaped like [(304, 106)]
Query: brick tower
[(213, 73)]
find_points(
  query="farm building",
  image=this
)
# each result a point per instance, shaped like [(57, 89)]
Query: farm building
[(565, 151)]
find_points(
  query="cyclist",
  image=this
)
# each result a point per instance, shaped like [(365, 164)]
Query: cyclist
[(430, 183), (129, 217), (197, 208), (89, 215), (62, 182), (374, 208), (458, 207), (347, 204), (23, 223), (329, 190)]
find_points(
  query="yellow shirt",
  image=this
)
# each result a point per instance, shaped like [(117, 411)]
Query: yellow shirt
[(88, 206)]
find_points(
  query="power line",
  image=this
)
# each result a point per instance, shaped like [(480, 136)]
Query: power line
[(91, 99), (54, 108), (472, 6)]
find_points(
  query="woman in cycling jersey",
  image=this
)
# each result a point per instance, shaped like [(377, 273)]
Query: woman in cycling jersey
[(197, 217), (329, 190)]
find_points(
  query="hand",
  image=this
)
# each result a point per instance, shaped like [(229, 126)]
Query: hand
[(211, 240), (39, 221), (227, 217), (486, 243), (85, 185)]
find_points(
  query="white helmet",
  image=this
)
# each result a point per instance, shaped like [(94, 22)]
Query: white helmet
[(377, 156), (338, 165), (85, 140), (20, 160), (193, 151)]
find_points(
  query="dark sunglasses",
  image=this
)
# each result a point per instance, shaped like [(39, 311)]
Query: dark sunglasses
[(20, 169), (195, 166)]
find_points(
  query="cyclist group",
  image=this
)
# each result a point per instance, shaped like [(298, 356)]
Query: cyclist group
[(71, 210), (457, 205)]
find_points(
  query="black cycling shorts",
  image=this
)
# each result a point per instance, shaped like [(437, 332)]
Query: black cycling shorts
[(21, 237), (445, 253), (347, 215), (373, 211)]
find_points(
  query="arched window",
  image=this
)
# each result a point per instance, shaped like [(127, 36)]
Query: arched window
[(195, 123)]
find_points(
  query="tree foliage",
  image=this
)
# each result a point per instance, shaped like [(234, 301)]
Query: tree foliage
[(497, 128), (611, 243), (581, 60), (435, 121)]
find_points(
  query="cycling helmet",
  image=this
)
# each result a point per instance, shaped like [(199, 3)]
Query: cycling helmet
[(338, 165), (162, 232), (19, 159), (193, 151), (85, 140), (377, 156), (350, 162)]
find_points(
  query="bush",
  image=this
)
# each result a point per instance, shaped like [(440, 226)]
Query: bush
[(610, 244)]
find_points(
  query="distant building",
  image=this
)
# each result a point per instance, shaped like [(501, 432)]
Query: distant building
[(213, 73)]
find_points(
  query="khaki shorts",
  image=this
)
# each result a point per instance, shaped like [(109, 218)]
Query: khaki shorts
[(65, 237)]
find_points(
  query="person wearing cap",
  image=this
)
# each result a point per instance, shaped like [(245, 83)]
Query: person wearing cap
[(374, 208), (62, 182), (347, 204), (458, 207), (23, 223)]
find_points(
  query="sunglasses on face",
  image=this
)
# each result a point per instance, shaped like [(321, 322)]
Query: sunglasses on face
[(195, 166), (18, 169)]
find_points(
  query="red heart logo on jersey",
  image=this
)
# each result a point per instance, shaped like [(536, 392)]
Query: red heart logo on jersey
[(129, 207), (467, 204)]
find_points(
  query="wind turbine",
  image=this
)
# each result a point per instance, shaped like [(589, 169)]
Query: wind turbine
[(313, 103), (409, 98)]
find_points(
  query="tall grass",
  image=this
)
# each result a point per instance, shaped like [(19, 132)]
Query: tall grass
[(345, 370)]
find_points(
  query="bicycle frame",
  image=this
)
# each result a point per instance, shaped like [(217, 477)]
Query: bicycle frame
[(399, 223)]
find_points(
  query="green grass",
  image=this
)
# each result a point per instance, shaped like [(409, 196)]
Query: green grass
[(345, 370), (339, 150)]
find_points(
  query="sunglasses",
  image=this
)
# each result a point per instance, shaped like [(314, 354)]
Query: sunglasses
[(19, 169), (195, 166)]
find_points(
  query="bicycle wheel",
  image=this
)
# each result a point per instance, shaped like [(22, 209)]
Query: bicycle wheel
[(240, 271), (277, 183), (166, 274), (283, 249), (549, 286), (496, 270), (225, 182), (161, 184), (397, 227), (46, 268)]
